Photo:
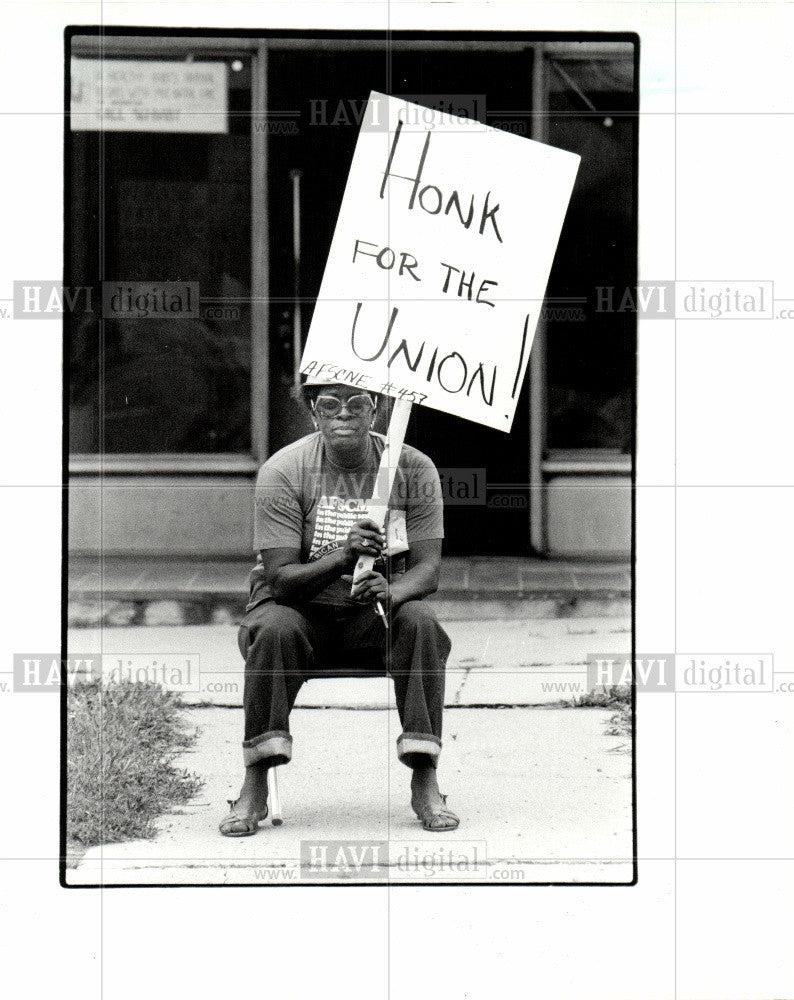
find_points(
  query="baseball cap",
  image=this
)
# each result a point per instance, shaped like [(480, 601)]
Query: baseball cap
[(321, 380)]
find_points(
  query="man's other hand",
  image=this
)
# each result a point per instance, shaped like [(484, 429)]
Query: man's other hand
[(365, 539), (370, 587)]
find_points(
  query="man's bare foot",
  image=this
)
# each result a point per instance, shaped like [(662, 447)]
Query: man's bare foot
[(428, 803), (251, 806), (253, 794)]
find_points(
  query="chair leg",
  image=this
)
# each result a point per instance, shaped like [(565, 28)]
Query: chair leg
[(273, 800)]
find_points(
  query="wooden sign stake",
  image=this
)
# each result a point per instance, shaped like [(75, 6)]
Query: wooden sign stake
[(378, 505)]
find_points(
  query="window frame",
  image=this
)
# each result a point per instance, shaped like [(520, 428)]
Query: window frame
[(221, 463)]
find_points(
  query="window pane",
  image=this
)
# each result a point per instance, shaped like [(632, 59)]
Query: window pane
[(176, 209), (591, 354)]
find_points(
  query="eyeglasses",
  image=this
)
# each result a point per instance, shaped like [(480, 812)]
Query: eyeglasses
[(330, 406)]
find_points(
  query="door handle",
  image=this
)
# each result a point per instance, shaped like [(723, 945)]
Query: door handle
[(295, 176)]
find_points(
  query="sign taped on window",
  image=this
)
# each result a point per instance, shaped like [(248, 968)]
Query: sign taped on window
[(142, 95)]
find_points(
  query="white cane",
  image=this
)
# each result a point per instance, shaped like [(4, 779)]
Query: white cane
[(273, 800)]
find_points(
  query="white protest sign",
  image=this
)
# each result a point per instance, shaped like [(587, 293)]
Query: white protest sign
[(438, 267)]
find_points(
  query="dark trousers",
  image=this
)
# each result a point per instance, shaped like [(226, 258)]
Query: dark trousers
[(285, 645)]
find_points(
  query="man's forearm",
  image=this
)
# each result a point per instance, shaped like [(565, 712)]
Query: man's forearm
[(303, 581), (417, 582)]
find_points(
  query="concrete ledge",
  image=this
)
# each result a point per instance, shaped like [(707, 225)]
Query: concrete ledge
[(91, 610), (155, 591)]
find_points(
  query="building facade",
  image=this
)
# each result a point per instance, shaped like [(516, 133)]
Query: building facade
[(216, 170)]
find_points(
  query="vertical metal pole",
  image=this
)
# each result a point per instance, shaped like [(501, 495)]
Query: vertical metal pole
[(297, 335), (260, 260), (538, 403)]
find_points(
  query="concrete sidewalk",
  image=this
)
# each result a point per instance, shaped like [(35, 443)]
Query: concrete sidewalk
[(544, 795), (515, 663)]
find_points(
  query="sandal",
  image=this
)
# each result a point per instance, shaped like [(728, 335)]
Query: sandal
[(446, 817), (248, 821)]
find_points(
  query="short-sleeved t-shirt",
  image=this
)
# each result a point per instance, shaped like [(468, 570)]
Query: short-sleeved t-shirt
[(304, 501)]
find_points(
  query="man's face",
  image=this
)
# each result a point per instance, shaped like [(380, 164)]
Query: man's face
[(344, 415)]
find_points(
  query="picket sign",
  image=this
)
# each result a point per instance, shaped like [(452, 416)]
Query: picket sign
[(437, 271)]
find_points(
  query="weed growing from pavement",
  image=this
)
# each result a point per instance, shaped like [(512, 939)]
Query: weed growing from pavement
[(122, 742), (617, 696)]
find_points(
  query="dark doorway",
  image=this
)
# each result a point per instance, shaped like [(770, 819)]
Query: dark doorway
[(323, 92)]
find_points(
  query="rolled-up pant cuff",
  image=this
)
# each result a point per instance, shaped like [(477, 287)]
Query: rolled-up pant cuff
[(418, 749), (275, 747)]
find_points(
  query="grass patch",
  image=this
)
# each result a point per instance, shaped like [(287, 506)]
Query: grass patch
[(122, 742)]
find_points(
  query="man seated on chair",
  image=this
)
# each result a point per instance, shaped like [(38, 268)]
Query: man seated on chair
[(301, 620)]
